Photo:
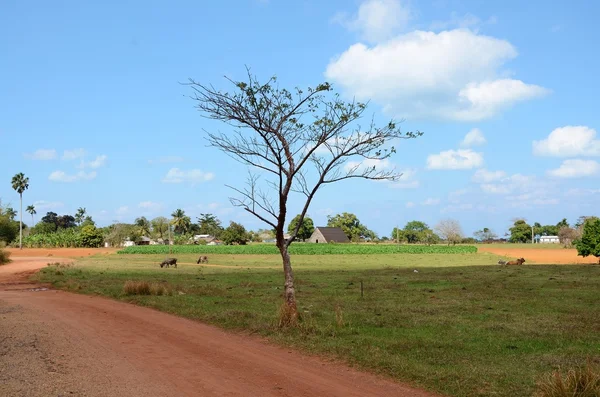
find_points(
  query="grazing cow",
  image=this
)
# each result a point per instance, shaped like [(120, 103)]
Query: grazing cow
[(202, 259), (501, 262), (519, 261), (169, 261)]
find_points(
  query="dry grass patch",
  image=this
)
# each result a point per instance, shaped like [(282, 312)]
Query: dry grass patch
[(579, 382), (145, 288), (4, 257)]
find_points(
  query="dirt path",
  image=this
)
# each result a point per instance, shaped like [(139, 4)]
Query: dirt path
[(541, 255), (57, 343)]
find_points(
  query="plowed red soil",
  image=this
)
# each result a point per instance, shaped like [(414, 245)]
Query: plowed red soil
[(541, 256), (54, 343), (62, 252)]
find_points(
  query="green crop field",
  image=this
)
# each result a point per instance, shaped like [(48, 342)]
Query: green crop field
[(457, 324), (302, 249)]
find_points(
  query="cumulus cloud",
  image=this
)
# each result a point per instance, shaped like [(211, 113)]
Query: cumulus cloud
[(485, 176), (73, 154), (576, 169), (455, 75), (377, 20), (41, 154), (175, 175), (569, 141), (461, 159), (61, 176), (473, 138)]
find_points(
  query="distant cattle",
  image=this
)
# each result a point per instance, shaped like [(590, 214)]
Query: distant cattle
[(519, 261), (168, 262), (202, 259)]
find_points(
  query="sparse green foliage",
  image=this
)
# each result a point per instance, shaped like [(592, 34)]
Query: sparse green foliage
[(589, 244), (485, 234), (160, 227), (80, 215), (210, 224), (306, 229), (181, 222), (144, 226)]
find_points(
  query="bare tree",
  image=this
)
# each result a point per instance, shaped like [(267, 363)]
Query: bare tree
[(449, 230), (299, 141)]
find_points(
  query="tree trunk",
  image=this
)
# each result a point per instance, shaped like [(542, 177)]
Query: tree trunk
[(289, 291), (21, 223)]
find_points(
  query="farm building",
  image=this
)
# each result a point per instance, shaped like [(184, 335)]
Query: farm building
[(328, 235), (143, 241), (549, 240)]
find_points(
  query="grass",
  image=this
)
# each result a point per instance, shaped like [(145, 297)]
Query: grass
[(460, 325), (578, 382)]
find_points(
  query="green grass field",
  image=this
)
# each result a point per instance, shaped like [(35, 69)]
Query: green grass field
[(461, 325)]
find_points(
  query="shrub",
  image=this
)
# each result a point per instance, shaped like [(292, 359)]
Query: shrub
[(589, 244), (4, 257), (580, 382), (90, 237), (145, 288)]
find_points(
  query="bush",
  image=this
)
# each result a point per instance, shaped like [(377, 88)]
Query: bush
[(580, 382), (4, 257), (90, 237), (9, 230), (145, 288), (235, 234)]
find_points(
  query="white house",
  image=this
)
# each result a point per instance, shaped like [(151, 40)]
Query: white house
[(549, 240)]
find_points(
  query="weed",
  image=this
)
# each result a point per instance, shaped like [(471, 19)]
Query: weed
[(4, 257), (578, 382)]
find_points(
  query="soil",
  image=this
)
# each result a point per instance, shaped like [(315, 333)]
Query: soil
[(541, 256), (54, 343), (62, 252)]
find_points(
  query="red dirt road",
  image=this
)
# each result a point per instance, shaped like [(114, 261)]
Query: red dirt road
[(57, 343)]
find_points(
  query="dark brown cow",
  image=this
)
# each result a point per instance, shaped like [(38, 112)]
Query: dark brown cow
[(519, 261)]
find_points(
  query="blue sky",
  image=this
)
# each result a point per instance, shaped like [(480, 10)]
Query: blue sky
[(93, 112)]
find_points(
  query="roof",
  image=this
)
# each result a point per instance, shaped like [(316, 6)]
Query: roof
[(144, 238), (333, 234), (549, 237)]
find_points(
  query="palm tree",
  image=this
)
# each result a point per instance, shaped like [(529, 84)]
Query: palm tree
[(31, 210), (10, 213), (20, 183), (180, 221), (144, 226), (80, 215)]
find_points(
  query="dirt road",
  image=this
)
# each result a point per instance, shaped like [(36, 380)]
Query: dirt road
[(54, 343)]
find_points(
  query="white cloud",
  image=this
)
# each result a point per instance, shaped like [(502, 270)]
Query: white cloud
[(41, 154), (150, 206), (473, 138), (569, 141), (175, 175), (410, 204), (73, 154), (42, 205), (377, 20), (485, 176), (461, 159), (576, 169), (167, 159), (452, 75), (98, 162), (61, 176), (496, 188), (431, 201)]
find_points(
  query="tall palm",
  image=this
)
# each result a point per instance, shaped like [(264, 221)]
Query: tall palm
[(180, 221), (10, 213), (20, 183), (80, 215), (31, 210)]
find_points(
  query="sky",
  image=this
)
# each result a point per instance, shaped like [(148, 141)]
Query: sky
[(93, 111)]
